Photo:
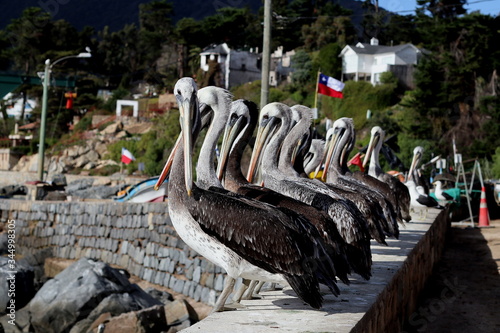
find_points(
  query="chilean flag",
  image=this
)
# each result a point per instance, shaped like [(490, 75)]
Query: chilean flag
[(127, 156), (330, 86)]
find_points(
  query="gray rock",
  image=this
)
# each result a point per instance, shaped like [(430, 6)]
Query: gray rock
[(115, 305), (21, 276), (3, 243), (148, 320), (98, 192), (72, 294), (77, 185), (160, 295)]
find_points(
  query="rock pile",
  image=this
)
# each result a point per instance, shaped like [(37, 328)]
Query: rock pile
[(90, 154), (89, 294)]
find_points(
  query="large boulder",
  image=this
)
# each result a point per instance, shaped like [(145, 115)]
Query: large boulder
[(79, 184), (98, 192), (76, 292), (114, 305), (17, 284)]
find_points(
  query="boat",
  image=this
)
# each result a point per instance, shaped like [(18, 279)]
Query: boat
[(143, 192)]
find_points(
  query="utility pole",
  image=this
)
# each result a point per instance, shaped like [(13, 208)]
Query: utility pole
[(45, 97), (41, 143), (266, 54)]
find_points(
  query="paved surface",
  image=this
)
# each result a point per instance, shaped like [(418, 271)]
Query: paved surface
[(282, 311), (463, 294)]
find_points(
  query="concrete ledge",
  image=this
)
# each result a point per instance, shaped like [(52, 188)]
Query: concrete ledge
[(382, 304)]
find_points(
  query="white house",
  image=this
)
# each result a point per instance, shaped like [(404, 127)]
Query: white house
[(237, 67), (280, 67), (367, 61), (15, 104)]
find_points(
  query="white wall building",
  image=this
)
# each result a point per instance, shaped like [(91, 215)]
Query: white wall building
[(237, 67), (365, 62), (281, 66)]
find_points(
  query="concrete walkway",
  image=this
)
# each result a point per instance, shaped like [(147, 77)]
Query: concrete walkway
[(282, 311)]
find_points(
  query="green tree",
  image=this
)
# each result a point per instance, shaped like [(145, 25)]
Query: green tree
[(400, 29), (326, 30), (155, 32), (328, 61), (29, 36), (238, 27), (495, 167), (302, 74), (442, 9)]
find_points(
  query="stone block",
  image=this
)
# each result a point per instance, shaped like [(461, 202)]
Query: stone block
[(197, 293), (172, 281), (159, 277), (124, 260), (163, 252), (175, 254), (171, 266), (219, 282), (188, 272), (139, 256), (205, 295), (124, 247), (179, 286), (197, 274), (148, 275)]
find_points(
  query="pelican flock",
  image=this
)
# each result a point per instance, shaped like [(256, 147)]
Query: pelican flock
[(276, 224)]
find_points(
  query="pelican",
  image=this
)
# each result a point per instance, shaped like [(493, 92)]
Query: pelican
[(219, 100), (336, 169), (274, 123), (369, 208), (239, 129), (313, 157), (414, 172), (399, 192), (268, 245), (418, 196)]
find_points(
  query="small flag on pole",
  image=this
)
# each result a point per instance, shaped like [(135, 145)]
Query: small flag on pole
[(329, 86), (127, 156)]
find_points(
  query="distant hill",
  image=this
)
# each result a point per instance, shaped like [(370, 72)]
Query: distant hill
[(117, 13), (113, 13)]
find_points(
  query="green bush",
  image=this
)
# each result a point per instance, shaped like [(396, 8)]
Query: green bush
[(495, 165), (84, 124)]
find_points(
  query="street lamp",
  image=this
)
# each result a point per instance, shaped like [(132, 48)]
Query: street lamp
[(46, 84)]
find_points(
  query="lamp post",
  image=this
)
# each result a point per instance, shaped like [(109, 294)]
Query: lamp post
[(46, 84)]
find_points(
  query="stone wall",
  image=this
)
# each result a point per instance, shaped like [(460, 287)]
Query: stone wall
[(137, 237)]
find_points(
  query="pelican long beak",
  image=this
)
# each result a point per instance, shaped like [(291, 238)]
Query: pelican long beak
[(414, 163), (233, 128), (168, 165), (187, 109), (371, 146), (328, 140), (296, 150), (332, 146), (263, 133)]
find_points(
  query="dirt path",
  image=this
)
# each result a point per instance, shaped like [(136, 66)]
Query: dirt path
[(463, 294)]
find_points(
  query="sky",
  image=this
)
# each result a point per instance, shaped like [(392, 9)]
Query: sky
[(407, 7)]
